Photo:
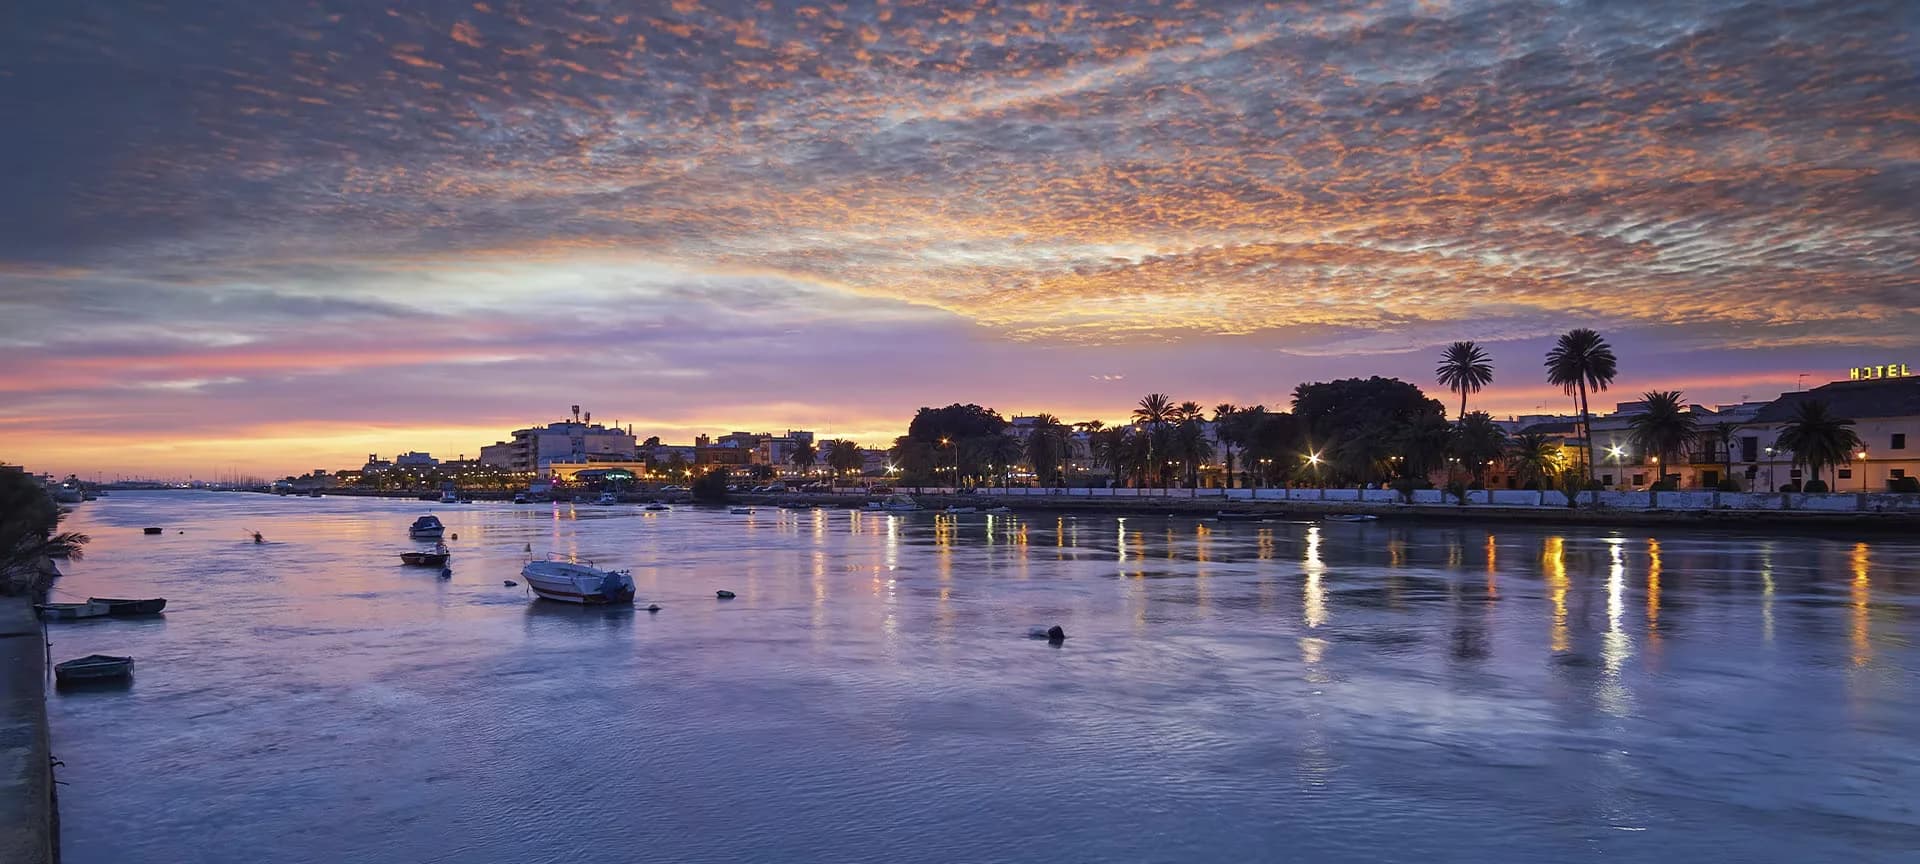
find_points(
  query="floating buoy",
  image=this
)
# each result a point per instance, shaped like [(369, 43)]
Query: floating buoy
[(723, 594), (529, 548), (510, 583), (456, 536), (446, 572), (653, 607), (1052, 634)]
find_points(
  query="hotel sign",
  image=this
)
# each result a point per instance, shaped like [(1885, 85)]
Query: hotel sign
[(1868, 373)]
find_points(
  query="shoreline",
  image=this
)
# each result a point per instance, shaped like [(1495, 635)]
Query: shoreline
[(28, 814)]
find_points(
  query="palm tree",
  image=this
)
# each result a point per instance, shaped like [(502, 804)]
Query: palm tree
[(1580, 361), (1047, 448), (803, 456), (1155, 410), (999, 453), (29, 519), (1665, 428), (1191, 445), (1188, 410), (1478, 441), (843, 457), (1818, 439), (1534, 457), (1721, 434), (1226, 430), (1464, 368)]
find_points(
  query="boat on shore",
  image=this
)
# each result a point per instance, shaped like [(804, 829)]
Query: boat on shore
[(71, 611), (574, 582), (426, 528), (606, 499), (94, 667), (1351, 517), (125, 608), (449, 498), (895, 504)]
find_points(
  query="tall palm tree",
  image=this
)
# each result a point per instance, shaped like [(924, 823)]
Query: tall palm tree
[(1464, 368), (1581, 361), (1722, 435), (1155, 410), (844, 457), (1665, 428), (803, 456), (1534, 457), (1226, 430), (1047, 448), (1818, 439), (1188, 410), (1190, 444)]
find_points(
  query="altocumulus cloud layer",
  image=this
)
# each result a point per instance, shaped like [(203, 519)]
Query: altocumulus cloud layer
[(219, 201)]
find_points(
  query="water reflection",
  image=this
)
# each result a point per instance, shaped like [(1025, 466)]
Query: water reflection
[(872, 691)]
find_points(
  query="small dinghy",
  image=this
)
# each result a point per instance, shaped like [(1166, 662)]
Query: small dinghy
[(69, 611), (1352, 517), (120, 608), (961, 510), (741, 511), (656, 506), (1227, 516), (437, 558), (723, 594), (150, 531), (573, 582), (94, 667)]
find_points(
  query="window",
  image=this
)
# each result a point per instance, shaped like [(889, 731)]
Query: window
[(1899, 441), (1639, 479), (1899, 473), (1750, 448), (1795, 474), (1846, 473), (1606, 479)]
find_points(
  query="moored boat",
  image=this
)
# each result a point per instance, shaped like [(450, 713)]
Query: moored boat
[(426, 528), (123, 608), (437, 558), (961, 510), (449, 498), (607, 498), (741, 511), (895, 503), (94, 667), (656, 506), (573, 582), (150, 531), (313, 494), (1230, 516), (68, 611), (520, 498), (1351, 517)]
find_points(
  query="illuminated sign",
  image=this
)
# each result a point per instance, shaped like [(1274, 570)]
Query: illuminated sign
[(1868, 373)]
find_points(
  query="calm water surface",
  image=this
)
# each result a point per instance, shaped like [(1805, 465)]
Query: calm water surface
[(1230, 691)]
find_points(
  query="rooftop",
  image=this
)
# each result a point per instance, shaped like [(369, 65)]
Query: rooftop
[(1854, 400)]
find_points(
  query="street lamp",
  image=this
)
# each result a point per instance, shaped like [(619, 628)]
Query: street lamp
[(1862, 457), (1770, 452)]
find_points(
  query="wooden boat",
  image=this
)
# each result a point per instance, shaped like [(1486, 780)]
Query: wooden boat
[(150, 531), (572, 582), (741, 511), (122, 608), (1351, 517), (426, 528), (94, 667), (961, 510), (68, 611), (436, 558), (1228, 516)]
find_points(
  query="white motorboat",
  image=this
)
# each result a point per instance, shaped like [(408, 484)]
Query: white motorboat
[(895, 503), (741, 511), (607, 498), (1351, 517), (89, 609), (573, 582), (449, 498), (426, 528), (960, 510)]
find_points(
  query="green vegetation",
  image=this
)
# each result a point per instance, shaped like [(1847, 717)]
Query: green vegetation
[(1664, 429), (1819, 440), (1581, 361), (29, 532), (711, 487), (1464, 369)]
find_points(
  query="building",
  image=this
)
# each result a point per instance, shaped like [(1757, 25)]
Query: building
[(415, 459), (568, 441), (1885, 411)]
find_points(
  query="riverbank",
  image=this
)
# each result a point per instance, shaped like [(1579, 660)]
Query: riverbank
[(27, 820)]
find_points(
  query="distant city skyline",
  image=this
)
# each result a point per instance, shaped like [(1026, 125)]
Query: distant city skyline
[(280, 236)]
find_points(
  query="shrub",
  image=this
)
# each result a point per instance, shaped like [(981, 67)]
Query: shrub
[(1476, 486), (1662, 486), (1814, 487), (1458, 492), (1904, 484), (1790, 487), (1595, 486), (711, 488), (1531, 485), (1728, 485)]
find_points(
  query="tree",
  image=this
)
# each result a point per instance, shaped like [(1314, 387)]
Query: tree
[(711, 487), (956, 432), (803, 456), (917, 460), (1190, 445), (1581, 361), (1272, 444), (1357, 425), (1047, 449), (1818, 439), (1154, 411), (1665, 428), (1464, 368), (29, 519), (1534, 457), (844, 457), (1722, 434), (1226, 430), (1478, 442), (1188, 410), (999, 454)]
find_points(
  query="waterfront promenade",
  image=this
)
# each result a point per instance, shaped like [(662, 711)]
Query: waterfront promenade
[(26, 776)]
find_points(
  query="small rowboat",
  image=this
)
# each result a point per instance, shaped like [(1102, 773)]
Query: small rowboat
[(68, 611), (425, 559), (120, 608), (150, 531), (1352, 517), (94, 667), (1229, 516)]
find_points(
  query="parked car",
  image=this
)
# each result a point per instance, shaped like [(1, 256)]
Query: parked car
[(673, 488)]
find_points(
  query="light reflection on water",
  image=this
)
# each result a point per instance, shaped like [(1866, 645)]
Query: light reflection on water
[(1229, 691)]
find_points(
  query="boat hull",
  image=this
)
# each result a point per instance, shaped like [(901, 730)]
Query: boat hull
[(425, 559), (98, 667), (120, 608), (566, 582), (72, 611)]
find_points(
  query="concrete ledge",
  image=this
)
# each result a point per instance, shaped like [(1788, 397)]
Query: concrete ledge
[(26, 772)]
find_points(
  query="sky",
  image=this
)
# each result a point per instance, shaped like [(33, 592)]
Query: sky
[(267, 236)]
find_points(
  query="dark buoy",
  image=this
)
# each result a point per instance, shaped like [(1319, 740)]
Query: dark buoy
[(1056, 634), (446, 572), (509, 583), (456, 537), (152, 531), (653, 607), (723, 594), (529, 548)]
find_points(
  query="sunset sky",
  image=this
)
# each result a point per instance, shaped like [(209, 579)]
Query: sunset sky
[(274, 236)]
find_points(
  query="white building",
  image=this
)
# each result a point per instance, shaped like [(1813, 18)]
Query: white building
[(566, 441), (1886, 415)]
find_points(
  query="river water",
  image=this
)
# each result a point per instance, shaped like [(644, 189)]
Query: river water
[(1278, 691)]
